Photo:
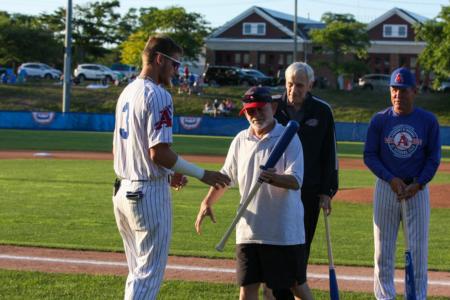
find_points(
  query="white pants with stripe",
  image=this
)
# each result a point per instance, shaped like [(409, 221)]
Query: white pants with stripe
[(145, 226), (386, 220)]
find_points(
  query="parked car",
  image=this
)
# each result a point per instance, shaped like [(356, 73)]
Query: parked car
[(126, 70), (94, 72), (444, 86), (256, 77), (39, 70), (371, 81), (223, 75)]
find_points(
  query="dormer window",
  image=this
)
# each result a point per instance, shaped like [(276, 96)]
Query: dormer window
[(395, 31), (254, 29)]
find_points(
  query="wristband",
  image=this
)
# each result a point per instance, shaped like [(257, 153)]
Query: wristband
[(184, 167)]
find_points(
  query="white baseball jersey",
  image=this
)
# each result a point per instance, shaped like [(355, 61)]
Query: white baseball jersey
[(275, 215), (144, 115), (142, 206)]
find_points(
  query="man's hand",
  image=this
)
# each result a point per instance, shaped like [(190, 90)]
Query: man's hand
[(268, 175), (398, 187), (325, 203), (216, 179), (178, 181), (410, 191), (205, 210)]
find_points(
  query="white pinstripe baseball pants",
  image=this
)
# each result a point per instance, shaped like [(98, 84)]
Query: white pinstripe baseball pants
[(145, 226), (387, 218)]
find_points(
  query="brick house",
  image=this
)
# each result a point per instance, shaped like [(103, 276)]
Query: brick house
[(260, 38), (393, 41), (264, 39)]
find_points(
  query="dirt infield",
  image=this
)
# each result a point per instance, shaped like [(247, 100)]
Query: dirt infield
[(200, 269), (190, 268)]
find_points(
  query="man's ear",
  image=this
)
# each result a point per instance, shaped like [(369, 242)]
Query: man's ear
[(158, 59), (274, 107)]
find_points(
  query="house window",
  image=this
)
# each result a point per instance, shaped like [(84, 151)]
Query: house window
[(262, 59), (246, 58), (237, 58), (289, 59), (254, 29), (395, 31)]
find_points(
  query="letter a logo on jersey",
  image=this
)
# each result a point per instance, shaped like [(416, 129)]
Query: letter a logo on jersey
[(403, 141), (398, 78), (166, 118)]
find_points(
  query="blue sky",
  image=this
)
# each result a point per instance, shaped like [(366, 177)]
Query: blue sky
[(218, 13)]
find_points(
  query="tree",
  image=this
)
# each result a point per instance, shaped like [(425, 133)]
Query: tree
[(94, 28), (132, 48), (23, 39), (187, 29), (343, 35), (436, 33)]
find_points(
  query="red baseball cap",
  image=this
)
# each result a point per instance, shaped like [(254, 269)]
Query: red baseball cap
[(255, 97)]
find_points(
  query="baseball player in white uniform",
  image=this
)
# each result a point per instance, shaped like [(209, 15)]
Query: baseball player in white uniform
[(143, 161), (403, 150), (270, 236)]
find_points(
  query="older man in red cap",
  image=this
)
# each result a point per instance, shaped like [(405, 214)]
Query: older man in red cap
[(270, 236)]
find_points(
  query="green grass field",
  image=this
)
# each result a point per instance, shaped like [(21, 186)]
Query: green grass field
[(44, 286), (49, 140), (357, 105), (67, 204)]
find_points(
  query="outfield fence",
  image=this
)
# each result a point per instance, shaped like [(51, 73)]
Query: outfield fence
[(203, 125)]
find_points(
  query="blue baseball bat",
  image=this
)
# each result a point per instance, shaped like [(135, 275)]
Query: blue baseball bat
[(334, 289), (410, 287), (280, 146)]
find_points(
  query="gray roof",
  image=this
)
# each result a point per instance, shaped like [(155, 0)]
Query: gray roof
[(287, 17), (417, 17)]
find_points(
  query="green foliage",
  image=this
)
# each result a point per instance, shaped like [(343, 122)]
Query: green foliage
[(131, 49), (436, 33), (343, 35), (22, 39), (94, 26), (187, 29)]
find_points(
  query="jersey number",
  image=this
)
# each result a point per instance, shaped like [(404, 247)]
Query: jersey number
[(124, 131)]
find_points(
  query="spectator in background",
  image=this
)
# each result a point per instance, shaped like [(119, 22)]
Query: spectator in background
[(229, 105), (191, 82), (216, 107), (186, 72), (208, 108)]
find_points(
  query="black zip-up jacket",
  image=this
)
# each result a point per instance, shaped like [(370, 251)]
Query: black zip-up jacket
[(318, 137)]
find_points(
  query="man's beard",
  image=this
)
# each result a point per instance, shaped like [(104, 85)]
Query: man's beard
[(265, 124)]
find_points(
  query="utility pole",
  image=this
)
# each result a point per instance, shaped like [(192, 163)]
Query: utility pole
[(295, 31), (67, 59)]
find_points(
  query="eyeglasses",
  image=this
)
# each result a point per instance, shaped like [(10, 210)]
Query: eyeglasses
[(175, 63)]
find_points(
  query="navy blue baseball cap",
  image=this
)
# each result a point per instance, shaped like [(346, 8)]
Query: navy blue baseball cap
[(256, 97), (403, 78)]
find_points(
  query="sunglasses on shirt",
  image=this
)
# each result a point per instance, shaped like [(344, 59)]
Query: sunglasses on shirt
[(175, 63)]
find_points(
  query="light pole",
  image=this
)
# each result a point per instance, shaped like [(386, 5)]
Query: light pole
[(295, 31), (67, 59)]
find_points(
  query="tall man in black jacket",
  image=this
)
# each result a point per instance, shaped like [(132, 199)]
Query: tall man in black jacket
[(317, 134)]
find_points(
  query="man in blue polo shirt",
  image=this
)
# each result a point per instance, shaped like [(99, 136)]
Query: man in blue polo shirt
[(403, 150)]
